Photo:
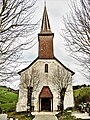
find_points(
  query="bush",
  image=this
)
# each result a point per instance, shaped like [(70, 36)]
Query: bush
[(82, 95), (66, 116)]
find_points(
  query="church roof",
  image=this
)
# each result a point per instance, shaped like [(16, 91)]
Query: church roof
[(45, 92), (45, 27), (46, 59)]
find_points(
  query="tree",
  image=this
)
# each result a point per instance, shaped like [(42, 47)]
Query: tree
[(15, 27), (61, 80), (30, 81), (77, 33)]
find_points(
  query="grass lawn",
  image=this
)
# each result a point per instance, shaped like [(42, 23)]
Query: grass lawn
[(20, 116), (8, 100)]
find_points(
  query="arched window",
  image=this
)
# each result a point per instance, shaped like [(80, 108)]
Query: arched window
[(46, 68)]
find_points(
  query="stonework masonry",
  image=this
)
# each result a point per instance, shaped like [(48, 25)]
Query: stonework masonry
[(45, 80)]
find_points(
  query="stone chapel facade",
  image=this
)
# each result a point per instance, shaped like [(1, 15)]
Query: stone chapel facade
[(42, 73)]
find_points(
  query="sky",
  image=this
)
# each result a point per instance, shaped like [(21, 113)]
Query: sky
[(56, 10)]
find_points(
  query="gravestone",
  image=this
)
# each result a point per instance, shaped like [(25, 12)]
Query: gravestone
[(11, 119), (3, 116)]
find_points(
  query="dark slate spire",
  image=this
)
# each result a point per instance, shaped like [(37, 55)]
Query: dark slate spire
[(45, 27)]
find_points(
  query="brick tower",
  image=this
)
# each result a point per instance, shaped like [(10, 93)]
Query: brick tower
[(45, 38)]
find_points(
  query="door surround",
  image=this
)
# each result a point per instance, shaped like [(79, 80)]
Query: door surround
[(45, 99)]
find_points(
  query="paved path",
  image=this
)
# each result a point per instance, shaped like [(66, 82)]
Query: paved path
[(51, 115), (84, 116), (45, 116)]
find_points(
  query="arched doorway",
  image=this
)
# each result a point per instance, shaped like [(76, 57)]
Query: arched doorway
[(45, 99)]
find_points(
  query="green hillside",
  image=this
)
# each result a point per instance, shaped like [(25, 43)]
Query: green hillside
[(8, 99), (82, 95)]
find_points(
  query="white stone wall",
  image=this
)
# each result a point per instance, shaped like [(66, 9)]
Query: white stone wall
[(45, 79), (69, 99)]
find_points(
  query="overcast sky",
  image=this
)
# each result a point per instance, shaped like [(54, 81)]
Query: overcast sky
[(56, 10)]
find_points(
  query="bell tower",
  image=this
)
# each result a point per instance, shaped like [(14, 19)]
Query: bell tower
[(45, 38)]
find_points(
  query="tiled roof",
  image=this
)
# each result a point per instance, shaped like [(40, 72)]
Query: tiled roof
[(45, 92)]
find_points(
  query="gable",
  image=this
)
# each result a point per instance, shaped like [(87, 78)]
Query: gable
[(28, 66), (64, 66), (45, 61)]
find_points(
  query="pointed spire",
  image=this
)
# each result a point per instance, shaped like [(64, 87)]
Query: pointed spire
[(45, 27), (44, 2)]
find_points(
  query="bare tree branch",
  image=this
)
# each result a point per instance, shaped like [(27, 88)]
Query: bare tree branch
[(61, 80), (16, 27), (77, 33), (30, 81)]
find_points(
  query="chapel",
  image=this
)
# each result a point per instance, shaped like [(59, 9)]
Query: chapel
[(46, 76)]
